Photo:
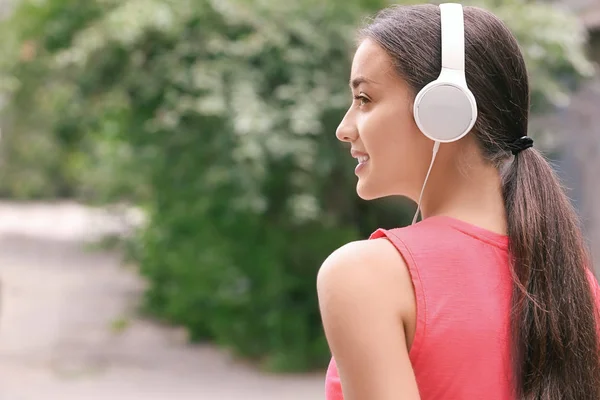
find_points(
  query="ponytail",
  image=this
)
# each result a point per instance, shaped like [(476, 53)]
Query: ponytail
[(553, 321)]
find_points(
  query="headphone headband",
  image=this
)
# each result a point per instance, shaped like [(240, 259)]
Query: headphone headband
[(453, 36)]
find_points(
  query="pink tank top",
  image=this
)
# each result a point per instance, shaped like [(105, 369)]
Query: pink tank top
[(463, 286)]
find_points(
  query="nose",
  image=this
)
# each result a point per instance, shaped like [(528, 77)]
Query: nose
[(346, 130)]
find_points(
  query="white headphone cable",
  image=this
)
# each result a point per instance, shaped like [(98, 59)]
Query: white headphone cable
[(436, 147)]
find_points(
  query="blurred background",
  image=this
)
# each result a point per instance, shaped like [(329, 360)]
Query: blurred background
[(170, 183)]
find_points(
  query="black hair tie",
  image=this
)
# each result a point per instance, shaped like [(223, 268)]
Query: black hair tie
[(522, 143)]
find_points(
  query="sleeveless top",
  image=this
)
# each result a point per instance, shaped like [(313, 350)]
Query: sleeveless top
[(462, 283)]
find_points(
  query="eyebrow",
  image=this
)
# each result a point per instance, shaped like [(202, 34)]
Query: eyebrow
[(354, 83)]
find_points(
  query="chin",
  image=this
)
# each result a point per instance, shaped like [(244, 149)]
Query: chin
[(365, 192)]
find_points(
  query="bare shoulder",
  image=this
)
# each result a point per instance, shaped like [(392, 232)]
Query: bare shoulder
[(365, 298), (377, 249), (370, 268)]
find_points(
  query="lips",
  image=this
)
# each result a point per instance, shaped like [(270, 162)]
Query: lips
[(362, 158)]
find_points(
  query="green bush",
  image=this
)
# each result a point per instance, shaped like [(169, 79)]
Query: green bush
[(218, 118)]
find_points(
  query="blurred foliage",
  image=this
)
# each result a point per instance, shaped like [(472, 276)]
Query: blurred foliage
[(218, 118)]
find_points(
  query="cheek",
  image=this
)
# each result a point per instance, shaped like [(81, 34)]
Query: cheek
[(392, 138), (399, 151)]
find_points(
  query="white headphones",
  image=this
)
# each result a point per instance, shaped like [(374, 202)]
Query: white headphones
[(445, 109)]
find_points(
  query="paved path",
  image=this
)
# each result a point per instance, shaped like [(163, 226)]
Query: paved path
[(68, 329)]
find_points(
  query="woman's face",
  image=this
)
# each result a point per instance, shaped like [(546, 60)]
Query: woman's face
[(392, 154)]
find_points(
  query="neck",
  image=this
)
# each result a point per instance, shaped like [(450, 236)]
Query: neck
[(469, 190)]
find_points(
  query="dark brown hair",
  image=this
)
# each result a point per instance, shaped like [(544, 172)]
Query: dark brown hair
[(553, 320)]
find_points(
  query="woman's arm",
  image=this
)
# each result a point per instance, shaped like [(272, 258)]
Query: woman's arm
[(365, 295)]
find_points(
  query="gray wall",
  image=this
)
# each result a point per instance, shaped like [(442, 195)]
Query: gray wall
[(579, 127)]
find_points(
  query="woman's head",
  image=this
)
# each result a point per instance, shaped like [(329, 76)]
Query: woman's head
[(555, 349), (399, 52), (380, 126)]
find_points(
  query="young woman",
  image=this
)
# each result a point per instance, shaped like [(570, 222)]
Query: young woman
[(489, 296)]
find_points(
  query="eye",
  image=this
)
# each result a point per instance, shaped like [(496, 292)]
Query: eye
[(362, 99)]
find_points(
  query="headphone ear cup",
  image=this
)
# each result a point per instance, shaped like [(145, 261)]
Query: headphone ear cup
[(444, 111)]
